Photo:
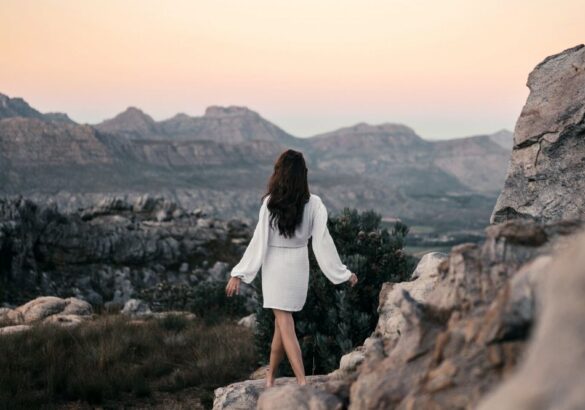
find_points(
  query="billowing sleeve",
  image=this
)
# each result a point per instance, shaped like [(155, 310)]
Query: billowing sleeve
[(248, 267), (325, 250)]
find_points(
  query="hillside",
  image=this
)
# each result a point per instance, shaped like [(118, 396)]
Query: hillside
[(220, 162)]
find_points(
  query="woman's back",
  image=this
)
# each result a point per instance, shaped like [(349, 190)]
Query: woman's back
[(303, 230)]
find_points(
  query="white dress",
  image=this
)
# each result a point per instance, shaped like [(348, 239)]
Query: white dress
[(285, 261)]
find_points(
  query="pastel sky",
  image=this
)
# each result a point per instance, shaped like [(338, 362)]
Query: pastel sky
[(446, 68)]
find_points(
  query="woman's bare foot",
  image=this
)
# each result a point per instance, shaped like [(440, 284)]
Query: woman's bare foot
[(302, 382)]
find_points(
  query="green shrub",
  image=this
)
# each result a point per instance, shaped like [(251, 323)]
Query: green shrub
[(206, 299), (335, 319)]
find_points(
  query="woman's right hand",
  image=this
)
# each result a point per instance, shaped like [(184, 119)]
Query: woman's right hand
[(353, 279)]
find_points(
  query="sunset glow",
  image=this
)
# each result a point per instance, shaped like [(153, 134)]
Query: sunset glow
[(445, 68)]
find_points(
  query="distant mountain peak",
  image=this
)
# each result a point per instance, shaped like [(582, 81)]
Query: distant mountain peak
[(230, 111), (131, 120), (16, 107)]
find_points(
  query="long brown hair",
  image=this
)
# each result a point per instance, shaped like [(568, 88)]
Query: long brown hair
[(288, 188)]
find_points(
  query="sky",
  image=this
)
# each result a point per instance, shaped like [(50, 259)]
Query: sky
[(448, 69)]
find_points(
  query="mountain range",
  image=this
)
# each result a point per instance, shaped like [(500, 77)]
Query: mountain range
[(221, 161)]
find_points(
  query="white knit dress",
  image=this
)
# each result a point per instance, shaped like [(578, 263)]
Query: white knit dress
[(285, 261)]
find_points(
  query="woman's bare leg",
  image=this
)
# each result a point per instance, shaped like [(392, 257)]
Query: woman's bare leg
[(276, 355), (290, 342)]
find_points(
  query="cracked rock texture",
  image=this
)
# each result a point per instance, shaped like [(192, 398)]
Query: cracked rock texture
[(545, 175), (109, 252)]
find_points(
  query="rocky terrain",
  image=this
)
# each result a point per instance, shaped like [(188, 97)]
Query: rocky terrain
[(107, 253), (220, 162), (496, 325)]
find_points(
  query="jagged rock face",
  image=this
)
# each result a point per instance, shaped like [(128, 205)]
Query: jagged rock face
[(545, 178), (108, 252), (551, 375)]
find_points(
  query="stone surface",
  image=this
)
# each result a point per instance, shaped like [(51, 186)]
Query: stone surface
[(551, 373), (545, 177), (45, 306), (136, 307), (45, 309), (244, 395), (291, 397)]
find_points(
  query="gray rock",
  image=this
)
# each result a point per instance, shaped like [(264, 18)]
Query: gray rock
[(249, 321), (545, 175), (136, 307)]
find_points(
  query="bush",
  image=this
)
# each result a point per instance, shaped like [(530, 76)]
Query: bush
[(335, 319), (206, 299)]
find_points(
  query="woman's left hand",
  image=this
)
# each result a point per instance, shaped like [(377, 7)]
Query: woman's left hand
[(233, 286)]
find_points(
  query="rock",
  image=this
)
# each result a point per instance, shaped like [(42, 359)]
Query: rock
[(136, 307), (428, 265), (107, 252), (544, 181), (450, 335), (391, 321), (77, 307), (249, 321), (244, 395), (41, 308), (48, 309), (218, 272), (551, 373), (162, 216), (67, 320), (9, 330), (291, 397), (352, 360), (259, 373)]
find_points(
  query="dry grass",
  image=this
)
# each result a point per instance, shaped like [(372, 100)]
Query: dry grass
[(114, 362)]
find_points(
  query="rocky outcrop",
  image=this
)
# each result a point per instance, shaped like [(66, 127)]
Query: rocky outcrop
[(107, 253), (45, 309), (545, 177)]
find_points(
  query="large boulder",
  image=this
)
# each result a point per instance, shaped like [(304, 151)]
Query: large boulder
[(45, 306), (45, 309), (545, 175)]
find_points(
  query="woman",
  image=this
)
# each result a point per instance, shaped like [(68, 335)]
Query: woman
[(288, 217)]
